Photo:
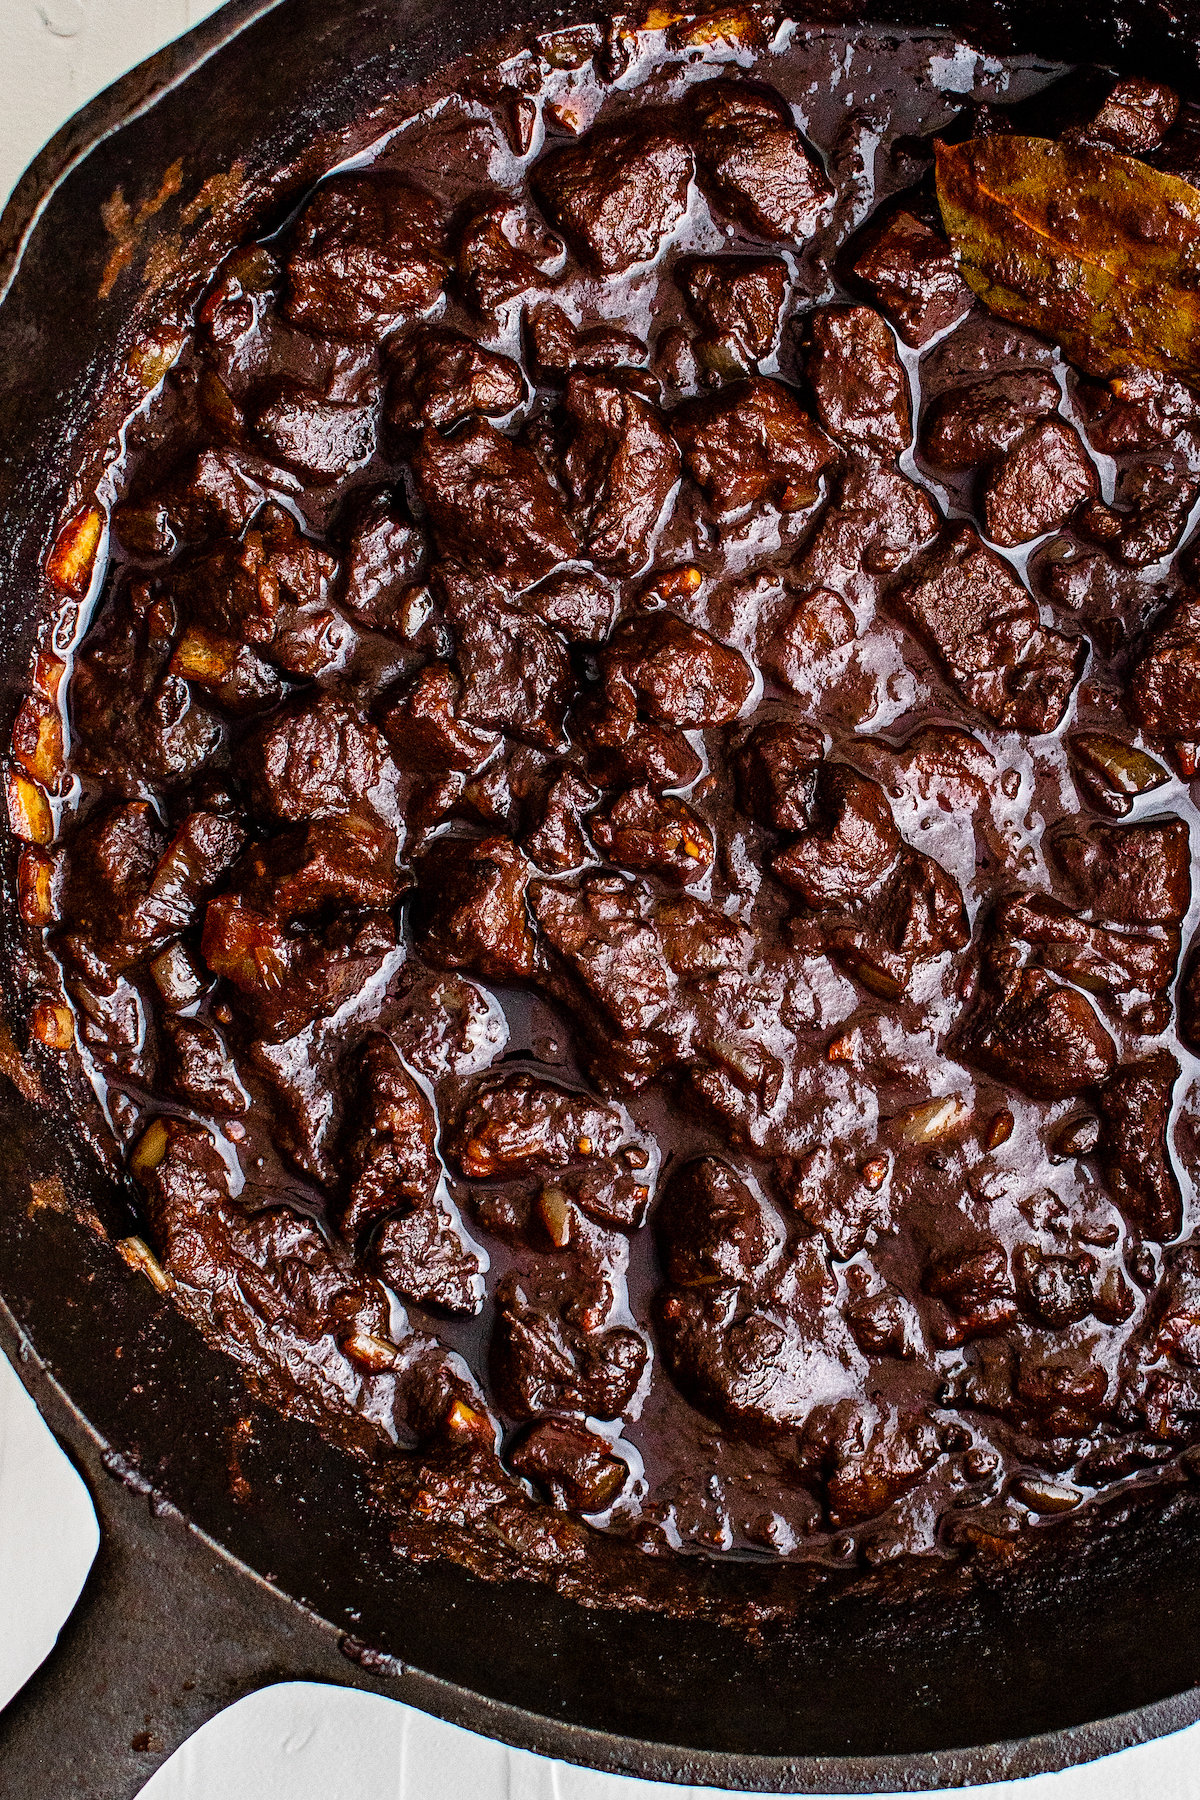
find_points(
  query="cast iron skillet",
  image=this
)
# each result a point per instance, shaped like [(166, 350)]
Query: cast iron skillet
[(199, 1596)]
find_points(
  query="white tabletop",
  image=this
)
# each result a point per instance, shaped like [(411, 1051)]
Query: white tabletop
[(296, 1741)]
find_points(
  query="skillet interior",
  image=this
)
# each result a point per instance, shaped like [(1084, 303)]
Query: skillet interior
[(1090, 1631)]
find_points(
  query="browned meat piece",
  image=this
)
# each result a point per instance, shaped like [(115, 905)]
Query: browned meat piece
[(367, 254), (878, 522), (1131, 874), (886, 1324), (573, 1466), (776, 770), (1154, 503), (867, 1456), (737, 300), (490, 504), (1135, 1106), (579, 604), (516, 674), (1140, 409), (134, 720), (314, 760), (1159, 1384), (860, 384), (469, 907), (319, 868), (321, 439), (816, 626), (388, 1147), (910, 273), (425, 728), (558, 842), (621, 465), (381, 561), (286, 980), (607, 947), (967, 605), (711, 1229), (616, 194), (699, 939), (918, 915), (1054, 1290), (130, 890), (1132, 967), (751, 444), (608, 1194), (623, 750), (502, 253), (675, 672), (977, 1289), (270, 589), (542, 1363), (1040, 482), (440, 377), (1134, 119), (220, 490), (1164, 690), (199, 1069), (422, 1256), (854, 848), (969, 425), (654, 833), (754, 163), (758, 1355), (266, 1290), (1041, 1037), (557, 345), (522, 1126)]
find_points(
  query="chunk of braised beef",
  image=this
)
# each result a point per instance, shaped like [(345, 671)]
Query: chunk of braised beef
[(1040, 1036), (135, 721), (776, 773), (1139, 409), (617, 193), (266, 1290), (976, 1287), (1134, 119), (543, 1363), (655, 834), (425, 729), (605, 943), (625, 751), (491, 505), (578, 603), (422, 1255), (754, 162), (1054, 1290), (919, 915), (698, 939), (439, 376), (1164, 689), (677, 673), (516, 674), (852, 849), (502, 253), (220, 489), (317, 758), (321, 439), (573, 1466), (910, 272), (885, 1324), (1153, 503), (860, 384), (1135, 1110), (522, 1125), (557, 345), (469, 907), (285, 980), (1131, 874), (557, 842), (321, 867), (1038, 484), (968, 607), (367, 253), (752, 444), (866, 1456), (969, 425), (1131, 967), (736, 300), (711, 1229), (620, 467), (198, 1067)]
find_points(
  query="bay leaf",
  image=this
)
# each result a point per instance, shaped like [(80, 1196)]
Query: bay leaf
[(1096, 250)]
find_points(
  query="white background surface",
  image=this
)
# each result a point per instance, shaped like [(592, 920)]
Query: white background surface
[(296, 1741)]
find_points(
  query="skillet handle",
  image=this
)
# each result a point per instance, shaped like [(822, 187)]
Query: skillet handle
[(166, 1634)]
